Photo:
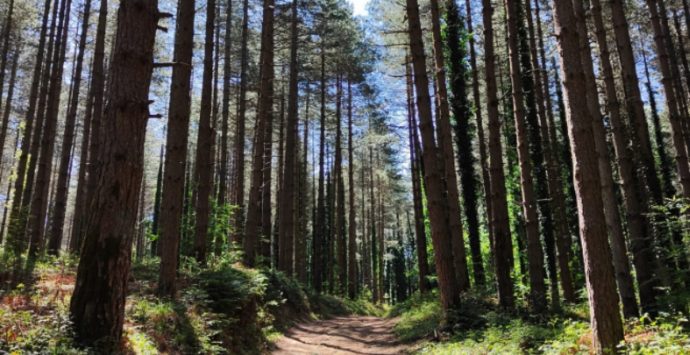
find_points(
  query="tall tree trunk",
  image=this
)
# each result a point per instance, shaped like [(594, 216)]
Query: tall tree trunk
[(677, 113), (463, 140), (287, 210), (264, 242), (503, 245), (320, 221), (438, 202), (97, 86), (352, 216), (4, 55), (264, 117), (204, 155), (483, 158), (97, 307), (607, 329), (16, 229), (621, 263), (551, 223), (155, 223), (420, 229), (633, 99), (535, 254), (341, 238), (445, 146), (39, 199), (8, 104), (68, 137), (172, 198), (555, 179), (225, 103), (238, 193)]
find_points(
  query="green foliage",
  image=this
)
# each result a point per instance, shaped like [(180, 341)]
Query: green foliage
[(420, 316), (483, 329), (329, 306)]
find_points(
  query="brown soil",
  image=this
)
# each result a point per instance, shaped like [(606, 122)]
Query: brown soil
[(342, 335)]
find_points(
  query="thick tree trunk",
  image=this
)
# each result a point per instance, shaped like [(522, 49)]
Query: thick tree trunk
[(614, 226), (445, 146), (607, 329), (434, 171), (97, 307), (172, 197), (503, 245), (463, 140)]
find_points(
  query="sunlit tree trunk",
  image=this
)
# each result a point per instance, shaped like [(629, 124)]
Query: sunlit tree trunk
[(97, 306), (607, 329), (179, 111)]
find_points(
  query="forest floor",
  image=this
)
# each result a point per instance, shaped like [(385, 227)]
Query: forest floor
[(342, 335)]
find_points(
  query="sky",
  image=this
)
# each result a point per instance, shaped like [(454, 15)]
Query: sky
[(359, 6)]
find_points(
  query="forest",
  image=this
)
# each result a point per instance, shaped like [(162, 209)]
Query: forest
[(344, 177)]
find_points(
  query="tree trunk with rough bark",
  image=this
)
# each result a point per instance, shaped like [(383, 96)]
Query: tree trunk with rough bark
[(172, 198), (97, 306), (607, 329), (434, 170)]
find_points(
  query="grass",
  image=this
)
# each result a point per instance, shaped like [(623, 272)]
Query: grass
[(482, 329)]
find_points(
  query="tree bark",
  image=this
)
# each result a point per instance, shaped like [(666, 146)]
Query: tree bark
[(264, 118), (205, 137), (68, 137), (607, 329), (445, 146), (483, 157), (97, 307), (287, 210), (460, 107), (434, 171), (352, 216), (179, 111), (16, 229), (39, 199), (621, 263), (503, 245), (535, 254), (238, 193)]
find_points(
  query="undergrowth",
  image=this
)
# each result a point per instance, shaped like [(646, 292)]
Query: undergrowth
[(222, 309), (480, 328)]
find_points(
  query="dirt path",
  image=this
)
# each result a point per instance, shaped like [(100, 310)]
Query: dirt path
[(343, 335)]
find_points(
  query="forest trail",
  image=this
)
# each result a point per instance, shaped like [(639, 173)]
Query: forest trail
[(342, 335)]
